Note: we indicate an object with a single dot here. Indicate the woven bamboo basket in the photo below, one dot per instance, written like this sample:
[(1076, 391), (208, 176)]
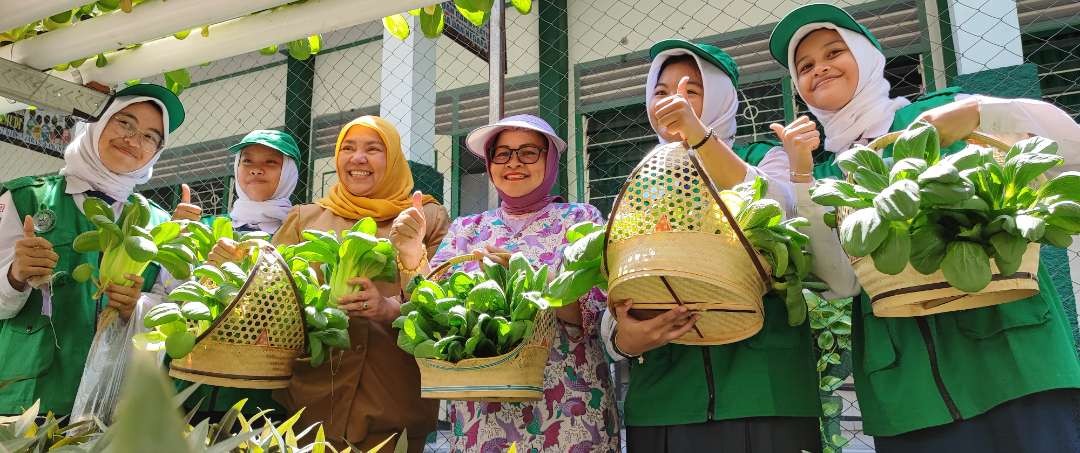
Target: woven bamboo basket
[(515, 376), (911, 293), (256, 339), (671, 242)]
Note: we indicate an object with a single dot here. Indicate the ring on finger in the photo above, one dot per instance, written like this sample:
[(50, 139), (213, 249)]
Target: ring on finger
[(364, 306)]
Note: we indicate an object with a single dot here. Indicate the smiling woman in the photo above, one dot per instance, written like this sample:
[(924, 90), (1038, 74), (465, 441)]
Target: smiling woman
[(371, 390), (132, 137)]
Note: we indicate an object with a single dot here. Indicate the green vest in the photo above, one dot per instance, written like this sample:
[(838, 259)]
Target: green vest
[(914, 373), (770, 374), (211, 398), (46, 355)]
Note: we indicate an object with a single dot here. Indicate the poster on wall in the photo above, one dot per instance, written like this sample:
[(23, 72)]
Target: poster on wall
[(36, 130)]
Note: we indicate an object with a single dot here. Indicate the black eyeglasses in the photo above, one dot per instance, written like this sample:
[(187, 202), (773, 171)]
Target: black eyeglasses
[(527, 154)]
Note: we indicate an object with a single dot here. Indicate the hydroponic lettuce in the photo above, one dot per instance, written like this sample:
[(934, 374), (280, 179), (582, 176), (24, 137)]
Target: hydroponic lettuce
[(581, 264), (356, 253), (474, 315), (127, 246), (954, 213), (778, 240)]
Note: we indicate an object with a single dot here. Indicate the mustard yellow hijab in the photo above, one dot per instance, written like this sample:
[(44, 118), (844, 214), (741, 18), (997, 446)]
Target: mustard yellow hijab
[(392, 190)]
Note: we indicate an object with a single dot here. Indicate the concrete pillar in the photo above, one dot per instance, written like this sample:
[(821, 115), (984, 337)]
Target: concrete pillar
[(407, 96)]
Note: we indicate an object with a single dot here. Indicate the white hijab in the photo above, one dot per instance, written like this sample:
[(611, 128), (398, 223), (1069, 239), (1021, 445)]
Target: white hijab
[(720, 100), (266, 215), (869, 114), (83, 167)]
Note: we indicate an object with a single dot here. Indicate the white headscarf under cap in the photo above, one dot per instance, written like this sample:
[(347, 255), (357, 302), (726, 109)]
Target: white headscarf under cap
[(720, 100), (266, 215), (83, 167), (869, 114)]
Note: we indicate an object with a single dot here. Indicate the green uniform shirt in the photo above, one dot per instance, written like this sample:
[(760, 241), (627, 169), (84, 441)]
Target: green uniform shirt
[(770, 374), (46, 356), (914, 373)]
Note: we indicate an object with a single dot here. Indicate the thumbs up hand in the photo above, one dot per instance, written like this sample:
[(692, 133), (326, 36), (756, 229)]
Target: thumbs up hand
[(34, 259), (800, 139), (185, 210), (675, 116), (408, 231)]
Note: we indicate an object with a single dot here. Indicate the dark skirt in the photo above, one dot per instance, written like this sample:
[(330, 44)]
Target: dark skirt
[(744, 435), (1041, 422)]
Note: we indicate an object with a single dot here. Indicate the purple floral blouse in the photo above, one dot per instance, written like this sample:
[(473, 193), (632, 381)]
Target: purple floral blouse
[(577, 413)]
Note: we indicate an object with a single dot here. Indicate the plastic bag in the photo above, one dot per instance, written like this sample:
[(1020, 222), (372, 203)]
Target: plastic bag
[(99, 389)]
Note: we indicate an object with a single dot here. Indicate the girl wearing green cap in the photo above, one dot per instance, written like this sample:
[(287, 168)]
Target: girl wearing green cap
[(996, 379), (47, 328), (265, 176), (759, 394)]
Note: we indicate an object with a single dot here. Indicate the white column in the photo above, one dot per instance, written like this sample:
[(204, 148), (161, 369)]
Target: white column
[(408, 91), (986, 34)]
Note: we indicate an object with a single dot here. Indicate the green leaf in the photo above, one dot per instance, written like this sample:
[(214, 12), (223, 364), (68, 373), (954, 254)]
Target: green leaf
[(223, 228), (196, 311), (941, 172), (165, 232), (909, 168), (938, 194), (432, 23), (920, 140), (522, 6), (475, 11), (892, 256), (177, 80), (1035, 144), (1030, 227), (928, 250), (870, 180), (1020, 170), (966, 266), (1008, 252), (899, 201), (830, 408), (1057, 237), (1066, 185), (148, 422), (861, 157), (210, 272), (299, 49), (971, 157), (836, 192), (830, 383), (398, 26), (862, 232)]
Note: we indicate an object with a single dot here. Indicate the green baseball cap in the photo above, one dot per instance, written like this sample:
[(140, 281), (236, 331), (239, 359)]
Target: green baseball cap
[(167, 97), (281, 141), (710, 53), (809, 14)]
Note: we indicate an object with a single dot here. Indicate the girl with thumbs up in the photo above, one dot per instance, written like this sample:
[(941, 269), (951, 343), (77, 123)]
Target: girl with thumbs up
[(370, 391), (758, 394), (47, 320)]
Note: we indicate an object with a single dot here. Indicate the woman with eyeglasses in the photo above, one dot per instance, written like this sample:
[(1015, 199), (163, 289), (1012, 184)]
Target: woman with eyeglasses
[(578, 411), (47, 320)]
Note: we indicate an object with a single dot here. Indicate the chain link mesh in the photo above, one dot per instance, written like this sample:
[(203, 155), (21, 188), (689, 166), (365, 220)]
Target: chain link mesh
[(582, 65)]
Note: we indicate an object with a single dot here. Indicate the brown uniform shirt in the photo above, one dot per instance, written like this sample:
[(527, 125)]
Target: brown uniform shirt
[(371, 391)]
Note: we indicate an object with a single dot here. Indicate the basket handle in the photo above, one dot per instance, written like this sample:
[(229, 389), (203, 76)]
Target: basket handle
[(975, 137), (442, 268), (694, 160)]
